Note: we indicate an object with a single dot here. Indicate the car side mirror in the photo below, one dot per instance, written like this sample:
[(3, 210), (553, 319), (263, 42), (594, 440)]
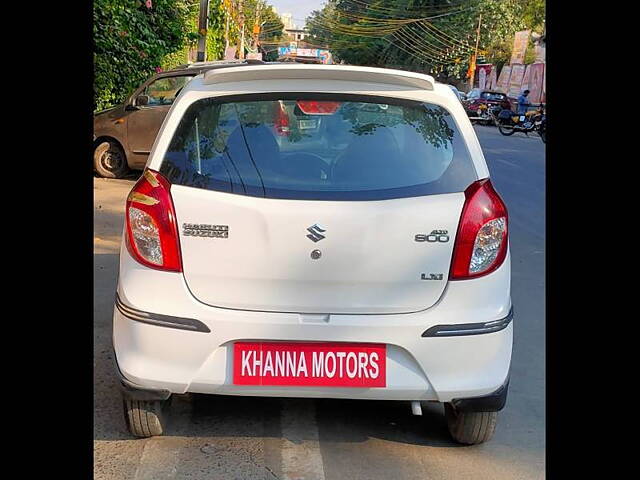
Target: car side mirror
[(142, 100), (136, 103)]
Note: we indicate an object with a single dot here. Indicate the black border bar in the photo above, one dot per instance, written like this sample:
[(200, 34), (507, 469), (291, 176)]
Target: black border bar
[(167, 321), (492, 402), (469, 328)]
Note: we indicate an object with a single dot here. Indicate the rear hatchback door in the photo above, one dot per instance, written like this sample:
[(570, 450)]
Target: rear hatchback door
[(352, 209)]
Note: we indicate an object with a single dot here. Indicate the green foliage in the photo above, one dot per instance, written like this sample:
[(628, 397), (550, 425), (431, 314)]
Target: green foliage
[(215, 36), (271, 30), (133, 41), (130, 42), (426, 52), (534, 14), (273, 25), (215, 31)]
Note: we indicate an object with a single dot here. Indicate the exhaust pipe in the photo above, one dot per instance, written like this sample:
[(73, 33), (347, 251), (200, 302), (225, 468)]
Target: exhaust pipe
[(416, 408)]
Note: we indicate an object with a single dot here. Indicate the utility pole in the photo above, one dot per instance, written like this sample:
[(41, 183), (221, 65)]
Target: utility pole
[(241, 21), (475, 55), (202, 30), (227, 15), (256, 26)]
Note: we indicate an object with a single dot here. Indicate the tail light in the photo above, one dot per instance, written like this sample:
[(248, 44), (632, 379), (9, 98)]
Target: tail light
[(318, 107), (281, 121), (152, 231), (481, 242)]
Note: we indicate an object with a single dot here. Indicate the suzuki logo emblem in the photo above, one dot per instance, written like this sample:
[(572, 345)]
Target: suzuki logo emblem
[(315, 233)]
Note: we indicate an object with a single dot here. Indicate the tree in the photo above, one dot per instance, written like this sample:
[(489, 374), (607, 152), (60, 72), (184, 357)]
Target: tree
[(134, 41), (215, 35), (272, 28), (215, 30), (433, 36), (131, 40)]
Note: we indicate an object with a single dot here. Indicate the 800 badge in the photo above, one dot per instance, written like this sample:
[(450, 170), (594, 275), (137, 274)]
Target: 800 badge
[(441, 236)]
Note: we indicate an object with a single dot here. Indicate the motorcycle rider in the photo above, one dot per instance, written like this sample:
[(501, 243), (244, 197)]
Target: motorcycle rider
[(523, 103)]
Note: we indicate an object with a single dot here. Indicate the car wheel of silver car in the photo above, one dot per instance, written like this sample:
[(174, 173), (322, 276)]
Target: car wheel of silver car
[(146, 418), (109, 160), (470, 428)]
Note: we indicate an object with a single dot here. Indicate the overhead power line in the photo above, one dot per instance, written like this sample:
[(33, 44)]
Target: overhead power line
[(410, 10), (407, 49), (412, 32)]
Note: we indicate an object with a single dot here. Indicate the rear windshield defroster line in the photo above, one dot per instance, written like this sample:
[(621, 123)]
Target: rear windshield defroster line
[(340, 147)]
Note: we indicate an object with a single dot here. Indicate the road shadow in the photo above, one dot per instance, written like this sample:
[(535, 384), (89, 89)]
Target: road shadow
[(350, 421), (355, 421), (339, 421)]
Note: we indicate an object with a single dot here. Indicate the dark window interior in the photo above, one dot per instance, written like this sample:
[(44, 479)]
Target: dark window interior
[(318, 147)]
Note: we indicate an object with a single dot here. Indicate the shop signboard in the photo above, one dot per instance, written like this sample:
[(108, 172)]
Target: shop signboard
[(325, 56), (492, 80), (307, 52), (483, 71), (524, 85), (502, 84), (536, 82), (515, 81), (520, 41)]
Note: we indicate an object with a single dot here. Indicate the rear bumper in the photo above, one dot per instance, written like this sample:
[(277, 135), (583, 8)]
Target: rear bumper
[(425, 368), (493, 402), (138, 392)]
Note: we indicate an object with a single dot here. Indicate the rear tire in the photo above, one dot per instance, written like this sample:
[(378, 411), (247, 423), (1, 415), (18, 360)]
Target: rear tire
[(470, 428), (504, 130), (109, 160), (146, 418)]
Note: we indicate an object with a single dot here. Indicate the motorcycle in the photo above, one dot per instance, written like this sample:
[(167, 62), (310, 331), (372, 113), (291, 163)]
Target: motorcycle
[(481, 115), (509, 122)]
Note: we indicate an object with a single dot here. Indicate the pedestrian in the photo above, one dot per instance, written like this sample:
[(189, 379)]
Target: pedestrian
[(523, 103)]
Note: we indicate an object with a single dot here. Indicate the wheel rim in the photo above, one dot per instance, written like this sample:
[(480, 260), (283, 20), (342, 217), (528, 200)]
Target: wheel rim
[(111, 160)]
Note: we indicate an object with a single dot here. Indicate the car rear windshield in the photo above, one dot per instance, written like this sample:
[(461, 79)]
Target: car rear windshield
[(318, 147)]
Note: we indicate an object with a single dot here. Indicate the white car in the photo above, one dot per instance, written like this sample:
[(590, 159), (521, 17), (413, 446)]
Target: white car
[(317, 231), (459, 94)]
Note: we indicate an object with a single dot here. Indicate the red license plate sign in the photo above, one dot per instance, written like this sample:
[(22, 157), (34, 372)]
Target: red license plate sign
[(310, 364)]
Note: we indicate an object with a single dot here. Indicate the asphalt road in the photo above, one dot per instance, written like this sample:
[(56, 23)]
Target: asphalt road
[(254, 438)]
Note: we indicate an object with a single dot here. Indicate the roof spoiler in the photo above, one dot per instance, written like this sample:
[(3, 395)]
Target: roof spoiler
[(297, 71)]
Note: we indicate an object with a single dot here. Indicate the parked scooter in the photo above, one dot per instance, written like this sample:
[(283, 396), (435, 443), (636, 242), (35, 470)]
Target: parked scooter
[(509, 122)]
